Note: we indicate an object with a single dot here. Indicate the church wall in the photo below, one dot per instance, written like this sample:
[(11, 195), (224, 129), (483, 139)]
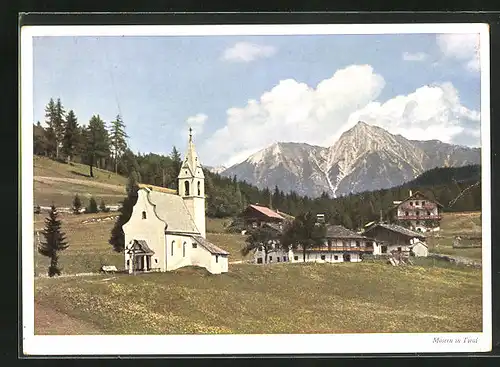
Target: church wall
[(196, 207), (182, 251), (151, 229)]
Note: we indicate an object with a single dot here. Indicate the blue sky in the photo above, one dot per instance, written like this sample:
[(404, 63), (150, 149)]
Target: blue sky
[(158, 84)]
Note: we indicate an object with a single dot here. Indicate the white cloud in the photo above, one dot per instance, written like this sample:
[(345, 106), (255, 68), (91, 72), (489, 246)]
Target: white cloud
[(246, 52), (197, 122), (293, 111), (463, 47), (431, 112), (417, 56)]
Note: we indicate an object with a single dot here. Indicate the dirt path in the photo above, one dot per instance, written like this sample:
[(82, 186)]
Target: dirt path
[(89, 182), (52, 322)]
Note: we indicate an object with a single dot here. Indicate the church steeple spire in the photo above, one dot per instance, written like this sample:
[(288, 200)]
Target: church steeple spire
[(191, 185)]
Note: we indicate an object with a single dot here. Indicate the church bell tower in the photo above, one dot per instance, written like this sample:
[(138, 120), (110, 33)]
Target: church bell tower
[(191, 184)]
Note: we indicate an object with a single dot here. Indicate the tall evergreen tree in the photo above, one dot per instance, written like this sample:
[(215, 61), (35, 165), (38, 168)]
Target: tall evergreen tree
[(176, 165), (117, 140), (96, 142), (71, 138), (55, 241), (117, 239), (50, 131)]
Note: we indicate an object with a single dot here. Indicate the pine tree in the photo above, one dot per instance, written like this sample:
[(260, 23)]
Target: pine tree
[(96, 142), (77, 204), (70, 138), (92, 208), (117, 239), (303, 232), (102, 206), (50, 134), (117, 140), (55, 241), (176, 165)]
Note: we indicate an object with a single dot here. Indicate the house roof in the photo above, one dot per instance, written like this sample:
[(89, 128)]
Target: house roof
[(266, 211), (172, 210), (209, 246), (398, 229), (157, 188), (140, 247), (422, 194), (336, 231)]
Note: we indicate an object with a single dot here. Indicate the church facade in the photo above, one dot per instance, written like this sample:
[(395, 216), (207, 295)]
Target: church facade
[(167, 229)]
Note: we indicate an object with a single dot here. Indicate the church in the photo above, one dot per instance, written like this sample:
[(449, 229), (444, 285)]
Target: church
[(166, 230)]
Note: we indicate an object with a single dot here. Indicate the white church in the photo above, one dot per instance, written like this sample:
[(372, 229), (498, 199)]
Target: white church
[(166, 230)]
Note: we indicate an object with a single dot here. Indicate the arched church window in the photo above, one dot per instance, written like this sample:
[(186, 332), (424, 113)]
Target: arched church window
[(143, 215), (199, 188), (184, 249), (186, 188), (172, 248)]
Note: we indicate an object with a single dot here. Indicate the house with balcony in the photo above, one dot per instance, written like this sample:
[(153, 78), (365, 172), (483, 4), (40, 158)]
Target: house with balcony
[(418, 212), (340, 245), (392, 238)]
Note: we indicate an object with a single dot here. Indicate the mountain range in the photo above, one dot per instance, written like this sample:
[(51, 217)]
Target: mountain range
[(364, 158)]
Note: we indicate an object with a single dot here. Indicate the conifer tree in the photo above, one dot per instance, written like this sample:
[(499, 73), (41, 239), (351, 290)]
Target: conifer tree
[(176, 166), (92, 208), (117, 140), (117, 239), (49, 132), (55, 241), (303, 232), (77, 204), (102, 206), (96, 142), (70, 138), (59, 125)]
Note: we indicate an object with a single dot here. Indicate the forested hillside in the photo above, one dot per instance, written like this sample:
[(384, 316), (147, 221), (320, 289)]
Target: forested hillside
[(104, 145)]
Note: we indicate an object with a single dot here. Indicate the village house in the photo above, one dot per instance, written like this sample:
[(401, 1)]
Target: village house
[(418, 212), (392, 238), (255, 216), (166, 230), (276, 254), (341, 245)]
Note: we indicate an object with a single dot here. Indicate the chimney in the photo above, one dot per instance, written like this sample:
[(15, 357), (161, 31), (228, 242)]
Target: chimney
[(411, 193)]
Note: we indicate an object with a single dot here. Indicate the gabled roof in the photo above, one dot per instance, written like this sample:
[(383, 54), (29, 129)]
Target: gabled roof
[(398, 229), (140, 247), (422, 194), (171, 209), (266, 211), (209, 246), (157, 188), (336, 231)]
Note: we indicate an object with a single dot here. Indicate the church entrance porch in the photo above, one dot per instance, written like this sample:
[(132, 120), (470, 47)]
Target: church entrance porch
[(139, 256)]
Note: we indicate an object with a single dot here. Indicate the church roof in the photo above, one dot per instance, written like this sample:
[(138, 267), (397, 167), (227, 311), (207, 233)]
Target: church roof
[(171, 209), (157, 188), (191, 162), (209, 246)]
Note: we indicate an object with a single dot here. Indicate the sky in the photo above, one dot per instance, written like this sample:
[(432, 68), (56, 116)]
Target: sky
[(241, 94)]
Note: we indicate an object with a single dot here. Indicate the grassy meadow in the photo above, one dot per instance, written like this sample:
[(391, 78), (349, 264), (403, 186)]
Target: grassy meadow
[(456, 224), (371, 296), (283, 298)]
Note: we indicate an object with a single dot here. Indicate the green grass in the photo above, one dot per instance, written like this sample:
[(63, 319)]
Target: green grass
[(57, 183), (88, 245), (456, 224), (46, 167), (281, 298)]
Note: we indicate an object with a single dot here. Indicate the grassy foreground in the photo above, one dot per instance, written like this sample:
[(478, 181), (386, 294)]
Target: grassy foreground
[(281, 298)]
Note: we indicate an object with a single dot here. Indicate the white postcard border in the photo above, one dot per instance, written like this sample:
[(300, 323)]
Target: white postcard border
[(246, 344)]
